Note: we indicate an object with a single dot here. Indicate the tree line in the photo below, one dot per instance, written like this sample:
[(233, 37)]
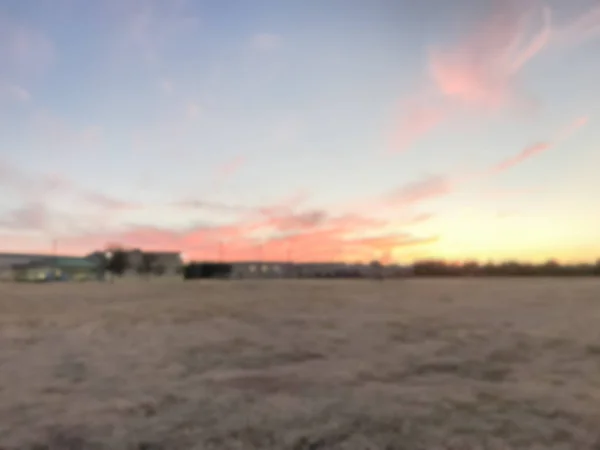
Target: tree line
[(550, 268), (196, 270), (116, 261)]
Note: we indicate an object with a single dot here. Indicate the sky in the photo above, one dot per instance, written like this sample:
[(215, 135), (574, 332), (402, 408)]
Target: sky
[(304, 130)]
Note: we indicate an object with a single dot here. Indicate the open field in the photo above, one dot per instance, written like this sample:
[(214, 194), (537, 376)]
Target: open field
[(407, 365)]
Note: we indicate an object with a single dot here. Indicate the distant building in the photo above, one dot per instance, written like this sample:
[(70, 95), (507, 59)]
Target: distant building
[(167, 263), (321, 270), (171, 262), (7, 260), (263, 269), (258, 269), (48, 268)]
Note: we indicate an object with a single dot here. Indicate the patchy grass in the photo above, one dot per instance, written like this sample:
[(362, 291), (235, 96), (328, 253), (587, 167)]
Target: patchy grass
[(299, 365)]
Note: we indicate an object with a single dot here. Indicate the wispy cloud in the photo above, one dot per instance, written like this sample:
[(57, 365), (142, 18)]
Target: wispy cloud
[(291, 227), (537, 148), (419, 191), (438, 186), (480, 73), (35, 189), (302, 236), (571, 128), (287, 228), (416, 121), (525, 154), (29, 217)]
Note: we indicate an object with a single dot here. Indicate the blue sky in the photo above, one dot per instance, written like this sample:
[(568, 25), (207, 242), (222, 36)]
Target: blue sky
[(187, 123)]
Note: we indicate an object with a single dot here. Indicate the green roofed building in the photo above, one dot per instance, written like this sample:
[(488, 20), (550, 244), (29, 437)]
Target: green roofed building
[(59, 268)]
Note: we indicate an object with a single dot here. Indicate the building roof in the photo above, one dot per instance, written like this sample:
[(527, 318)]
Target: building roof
[(25, 255), (66, 262), (74, 262)]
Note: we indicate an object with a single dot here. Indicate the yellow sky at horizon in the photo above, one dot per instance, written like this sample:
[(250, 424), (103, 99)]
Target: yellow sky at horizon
[(531, 238)]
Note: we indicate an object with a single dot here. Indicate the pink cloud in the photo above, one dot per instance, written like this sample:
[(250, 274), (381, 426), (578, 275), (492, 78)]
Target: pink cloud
[(426, 189), (480, 72), (525, 154), (477, 74), (288, 227), (571, 128), (384, 243), (416, 122), (537, 148), (272, 232), (440, 186)]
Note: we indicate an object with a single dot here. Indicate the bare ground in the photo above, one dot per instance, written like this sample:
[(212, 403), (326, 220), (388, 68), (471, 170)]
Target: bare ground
[(419, 364)]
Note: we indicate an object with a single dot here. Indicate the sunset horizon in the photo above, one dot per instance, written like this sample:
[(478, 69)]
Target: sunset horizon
[(302, 131)]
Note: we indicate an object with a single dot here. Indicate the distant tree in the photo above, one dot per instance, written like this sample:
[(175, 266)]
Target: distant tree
[(376, 269), (117, 261), (470, 268), (551, 268)]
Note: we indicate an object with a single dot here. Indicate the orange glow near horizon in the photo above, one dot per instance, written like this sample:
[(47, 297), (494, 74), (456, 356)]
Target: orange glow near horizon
[(385, 149)]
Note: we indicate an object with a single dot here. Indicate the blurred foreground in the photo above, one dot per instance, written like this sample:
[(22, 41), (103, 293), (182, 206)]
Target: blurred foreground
[(291, 364)]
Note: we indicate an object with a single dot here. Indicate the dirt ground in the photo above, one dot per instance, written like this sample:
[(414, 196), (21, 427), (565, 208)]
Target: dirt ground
[(407, 365)]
